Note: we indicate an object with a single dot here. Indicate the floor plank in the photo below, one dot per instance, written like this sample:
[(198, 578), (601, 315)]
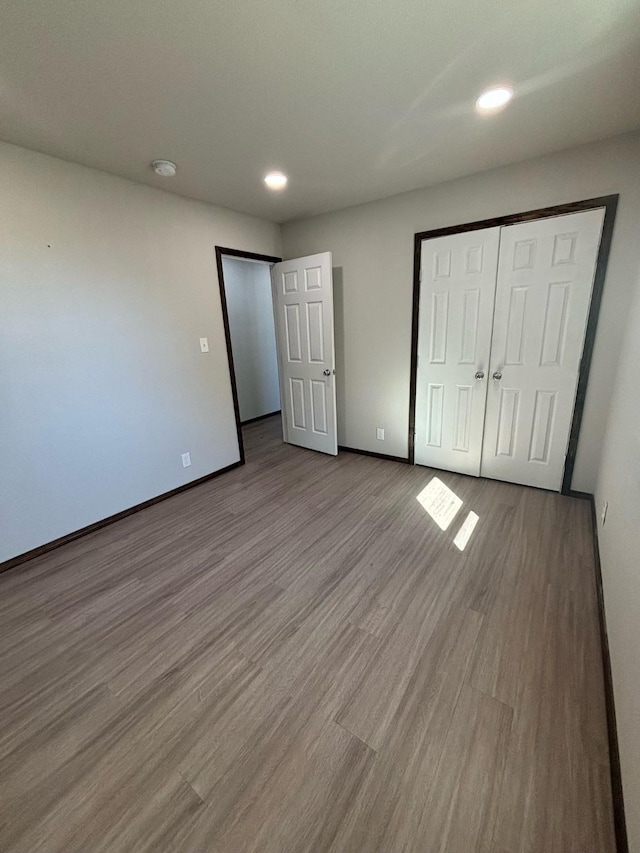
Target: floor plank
[(294, 656)]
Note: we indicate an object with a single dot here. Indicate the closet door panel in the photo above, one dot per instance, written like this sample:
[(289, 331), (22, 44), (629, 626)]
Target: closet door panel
[(458, 279), (546, 270)]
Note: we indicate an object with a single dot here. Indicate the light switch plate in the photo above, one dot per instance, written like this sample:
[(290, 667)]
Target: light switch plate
[(204, 345)]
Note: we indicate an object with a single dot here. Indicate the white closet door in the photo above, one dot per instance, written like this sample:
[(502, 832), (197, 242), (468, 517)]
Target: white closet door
[(545, 277), (458, 280), (303, 305)]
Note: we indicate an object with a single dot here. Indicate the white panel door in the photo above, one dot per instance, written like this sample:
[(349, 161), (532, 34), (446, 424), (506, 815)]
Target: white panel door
[(458, 280), (303, 305), (546, 270)]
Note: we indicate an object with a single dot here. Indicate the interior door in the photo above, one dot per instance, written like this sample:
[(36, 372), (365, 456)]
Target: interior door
[(545, 278), (458, 280), (303, 305)]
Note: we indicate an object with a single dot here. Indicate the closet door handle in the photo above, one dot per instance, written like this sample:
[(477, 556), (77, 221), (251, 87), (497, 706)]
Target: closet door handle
[(497, 375), (480, 374)]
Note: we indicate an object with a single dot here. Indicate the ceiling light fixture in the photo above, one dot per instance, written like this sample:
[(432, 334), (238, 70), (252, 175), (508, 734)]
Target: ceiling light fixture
[(495, 98), (164, 168), (276, 180)]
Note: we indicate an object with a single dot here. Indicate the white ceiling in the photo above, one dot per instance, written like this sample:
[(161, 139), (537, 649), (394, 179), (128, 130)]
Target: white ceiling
[(354, 99)]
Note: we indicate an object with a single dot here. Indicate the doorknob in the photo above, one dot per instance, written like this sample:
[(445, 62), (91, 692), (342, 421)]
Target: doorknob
[(480, 374), (497, 375), (326, 373)]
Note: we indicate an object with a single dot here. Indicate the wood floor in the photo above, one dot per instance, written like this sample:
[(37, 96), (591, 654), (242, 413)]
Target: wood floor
[(294, 657)]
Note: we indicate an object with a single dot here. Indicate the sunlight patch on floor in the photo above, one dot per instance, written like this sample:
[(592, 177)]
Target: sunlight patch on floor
[(464, 534), (440, 502)]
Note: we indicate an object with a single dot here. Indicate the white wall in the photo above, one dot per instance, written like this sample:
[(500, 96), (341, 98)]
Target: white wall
[(253, 336), (619, 484), (372, 249), (105, 288)]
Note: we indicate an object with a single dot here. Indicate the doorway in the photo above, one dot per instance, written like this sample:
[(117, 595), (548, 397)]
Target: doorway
[(245, 294), (504, 321), (278, 321), (247, 286)]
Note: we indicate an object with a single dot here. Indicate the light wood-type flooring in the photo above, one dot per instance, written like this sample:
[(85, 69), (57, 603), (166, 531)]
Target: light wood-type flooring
[(293, 658)]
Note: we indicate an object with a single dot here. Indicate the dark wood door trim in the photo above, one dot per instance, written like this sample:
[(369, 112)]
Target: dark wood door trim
[(222, 252), (610, 204)]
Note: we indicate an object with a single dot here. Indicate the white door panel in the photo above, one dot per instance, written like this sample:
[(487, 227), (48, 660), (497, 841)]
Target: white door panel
[(458, 279), (303, 305), (545, 277)]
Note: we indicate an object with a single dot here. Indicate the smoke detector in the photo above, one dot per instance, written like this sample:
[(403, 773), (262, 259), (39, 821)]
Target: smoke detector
[(164, 168)]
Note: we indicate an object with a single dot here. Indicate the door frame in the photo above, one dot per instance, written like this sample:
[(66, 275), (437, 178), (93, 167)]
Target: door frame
[(223, 252), (610, 204)]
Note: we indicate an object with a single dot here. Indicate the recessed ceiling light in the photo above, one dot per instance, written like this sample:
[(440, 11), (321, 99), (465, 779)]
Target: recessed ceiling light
[(164, 168), (493, 99), (275, 180)]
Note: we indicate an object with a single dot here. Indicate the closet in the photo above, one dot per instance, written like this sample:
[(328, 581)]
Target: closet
[(501, 329)]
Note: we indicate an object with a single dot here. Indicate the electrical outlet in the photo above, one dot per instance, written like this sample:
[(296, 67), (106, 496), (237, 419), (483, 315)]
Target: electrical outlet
[(186, 460), (603, 514), (204, 344), (380, 433)]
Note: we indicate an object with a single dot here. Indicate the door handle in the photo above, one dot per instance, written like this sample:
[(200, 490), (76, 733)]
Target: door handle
[(497, 375), (326, 373), (480, 374)]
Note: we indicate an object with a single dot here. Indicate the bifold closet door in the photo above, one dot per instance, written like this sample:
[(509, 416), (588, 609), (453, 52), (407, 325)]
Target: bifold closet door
[(458, 280), (546, 270)]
